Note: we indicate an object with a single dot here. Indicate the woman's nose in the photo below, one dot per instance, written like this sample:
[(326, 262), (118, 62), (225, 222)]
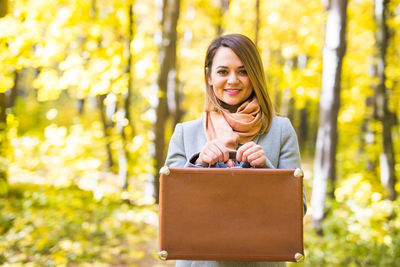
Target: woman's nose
[(232, 78)]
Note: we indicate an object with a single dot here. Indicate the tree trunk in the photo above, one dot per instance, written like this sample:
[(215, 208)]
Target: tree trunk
[(174, 95), (224, 7), (11, 95), (125, 126), (106, 111), (324, 163), (386, 158), (3, 146), (257, 24), (167, 56), (129, 71), (80, 105), (368, 134), (303, 128), (314, 130), (7, 101), (288, 102), (106, 130), (3, 8)]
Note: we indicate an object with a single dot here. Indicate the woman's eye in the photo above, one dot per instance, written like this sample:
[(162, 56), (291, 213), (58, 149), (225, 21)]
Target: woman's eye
[(243, 72), (222, 72)]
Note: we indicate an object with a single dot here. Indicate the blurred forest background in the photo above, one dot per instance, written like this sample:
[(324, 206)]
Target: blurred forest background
[(90, 92)]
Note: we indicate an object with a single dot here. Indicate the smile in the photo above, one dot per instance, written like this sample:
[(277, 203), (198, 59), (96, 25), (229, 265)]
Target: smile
[(232, 91)]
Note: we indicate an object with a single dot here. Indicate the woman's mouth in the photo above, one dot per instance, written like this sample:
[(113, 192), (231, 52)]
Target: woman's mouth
[(232, 91)]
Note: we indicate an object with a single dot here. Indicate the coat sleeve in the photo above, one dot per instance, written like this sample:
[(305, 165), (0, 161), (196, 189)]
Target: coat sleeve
[(289, 156), (177, 156)]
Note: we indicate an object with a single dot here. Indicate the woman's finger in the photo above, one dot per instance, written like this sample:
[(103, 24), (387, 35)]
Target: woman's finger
[(245, 151), (224, 151), (242, 149), (255, 156), (206, 155), (214, 151), (217, 150), (252, 150), (252, 153), (217, 155), (259, 162)]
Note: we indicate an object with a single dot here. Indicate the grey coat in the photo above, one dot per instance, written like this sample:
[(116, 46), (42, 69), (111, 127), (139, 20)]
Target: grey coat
[(280, 147)]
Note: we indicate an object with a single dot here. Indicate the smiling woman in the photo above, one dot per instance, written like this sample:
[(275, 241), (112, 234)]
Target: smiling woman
[(238, 116)]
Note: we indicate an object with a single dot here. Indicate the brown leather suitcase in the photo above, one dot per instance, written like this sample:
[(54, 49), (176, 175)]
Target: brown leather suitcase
[(233, 214)]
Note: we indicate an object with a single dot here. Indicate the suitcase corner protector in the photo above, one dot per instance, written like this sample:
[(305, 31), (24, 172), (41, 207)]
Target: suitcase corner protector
[(298, 173), (163, 255), (299, 257), (165, 170)]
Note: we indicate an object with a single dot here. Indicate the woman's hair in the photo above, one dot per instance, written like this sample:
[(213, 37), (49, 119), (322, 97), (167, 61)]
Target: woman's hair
[(247, 52)]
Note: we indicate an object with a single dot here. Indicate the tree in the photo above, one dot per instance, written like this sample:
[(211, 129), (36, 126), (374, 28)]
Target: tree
[(3, 124), (3, 7), (107, 127), (387, 160), (333, 53), (224, 7), (166, 79), (3, 145), (257, 24), (124, 125)]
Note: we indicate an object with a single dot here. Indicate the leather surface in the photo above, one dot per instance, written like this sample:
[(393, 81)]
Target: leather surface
[(231, 214)]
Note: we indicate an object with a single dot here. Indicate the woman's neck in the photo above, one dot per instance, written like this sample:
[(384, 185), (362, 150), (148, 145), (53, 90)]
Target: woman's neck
[(233, 108), (230, 108)]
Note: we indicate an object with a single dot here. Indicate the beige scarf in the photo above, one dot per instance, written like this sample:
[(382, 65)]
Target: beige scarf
[(236, 128)]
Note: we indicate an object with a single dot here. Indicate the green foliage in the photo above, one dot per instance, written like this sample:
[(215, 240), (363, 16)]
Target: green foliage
[(53, 226)]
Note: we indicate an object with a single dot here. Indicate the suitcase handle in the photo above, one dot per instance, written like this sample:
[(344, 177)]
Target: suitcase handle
[(232, 155)]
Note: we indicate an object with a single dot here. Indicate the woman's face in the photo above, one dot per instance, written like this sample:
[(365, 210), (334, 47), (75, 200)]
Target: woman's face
[(229, 78)]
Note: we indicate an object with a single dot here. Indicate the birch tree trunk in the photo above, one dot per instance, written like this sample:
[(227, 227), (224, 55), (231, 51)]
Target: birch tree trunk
[(386, 158), (167, 72), (333, 53)]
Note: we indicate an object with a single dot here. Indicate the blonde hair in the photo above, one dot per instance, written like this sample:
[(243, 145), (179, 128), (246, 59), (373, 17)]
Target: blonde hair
[(247, 52)]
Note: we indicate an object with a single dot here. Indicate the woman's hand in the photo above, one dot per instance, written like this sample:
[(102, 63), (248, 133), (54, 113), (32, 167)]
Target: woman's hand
[(251, 153), (214, 151)]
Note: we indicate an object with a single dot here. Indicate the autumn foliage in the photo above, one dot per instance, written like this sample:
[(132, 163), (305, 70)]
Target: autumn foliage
[(78, 102)]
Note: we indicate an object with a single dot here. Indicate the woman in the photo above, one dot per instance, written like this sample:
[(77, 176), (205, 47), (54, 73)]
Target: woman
[(238, 116)]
